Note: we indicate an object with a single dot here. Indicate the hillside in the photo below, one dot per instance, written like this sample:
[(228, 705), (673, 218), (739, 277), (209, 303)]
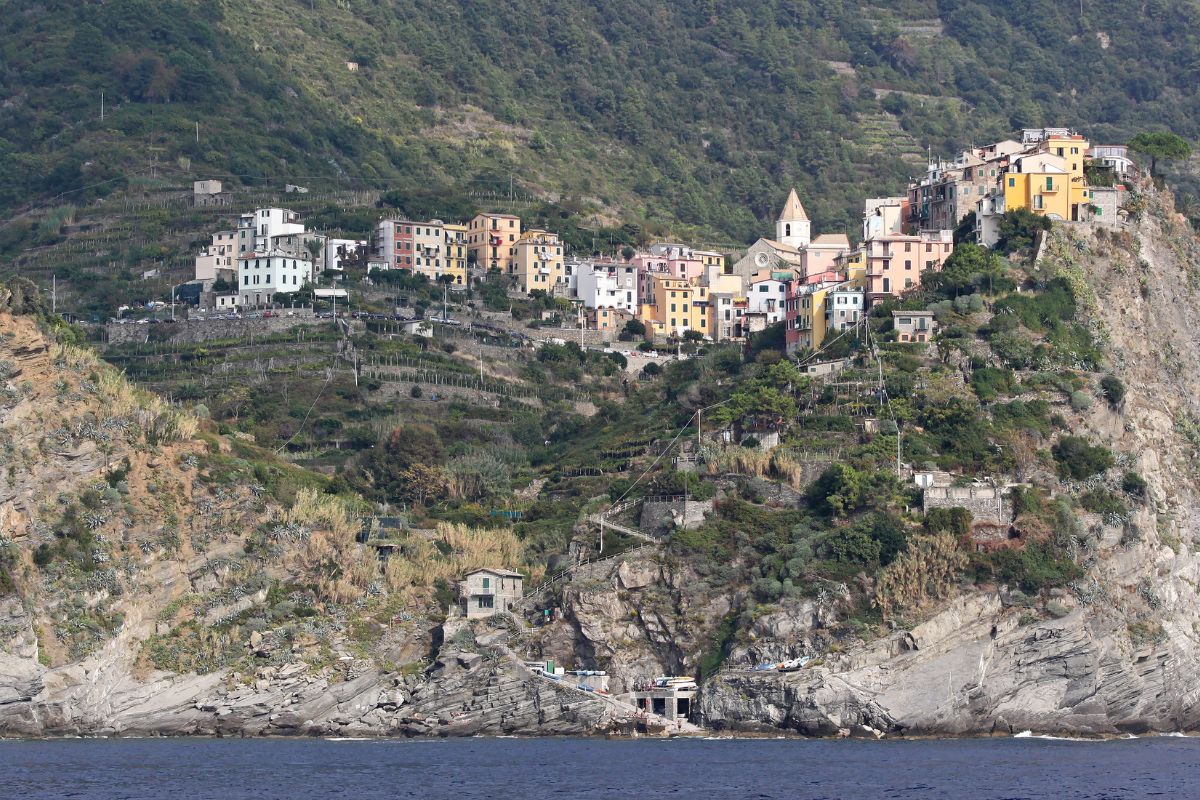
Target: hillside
[(697, 114), (205, 586)]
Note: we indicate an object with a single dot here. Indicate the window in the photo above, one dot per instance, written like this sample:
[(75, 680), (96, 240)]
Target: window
[(1012, 182), (928, 247), (908, 247), (908, 264), (887, 285), (1049, 183), (487, 582), (485, 601)]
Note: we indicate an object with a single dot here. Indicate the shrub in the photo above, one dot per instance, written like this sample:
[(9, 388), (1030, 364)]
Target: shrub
[(1133, 484), (956, 521), (1103, 502), (1077, 459), (1112, 389), (415, 392), (651, 370), (1080, 401)]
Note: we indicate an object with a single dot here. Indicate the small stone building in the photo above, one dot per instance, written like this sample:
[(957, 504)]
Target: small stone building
[(914, 326), (487, 591)]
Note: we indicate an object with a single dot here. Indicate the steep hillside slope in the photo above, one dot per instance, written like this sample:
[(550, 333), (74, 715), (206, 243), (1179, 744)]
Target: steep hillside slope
[(157, 578), (699, 112), (1118, 650)]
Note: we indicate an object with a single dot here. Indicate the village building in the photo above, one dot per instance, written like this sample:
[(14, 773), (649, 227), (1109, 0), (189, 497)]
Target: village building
[(675, 307), (341, 252), (669, 697), (456, 254), (258, 229), (484, 592), (537, 261), (219, 257), (728, 315), (1113, 156), (608, 320), (491, 239), (794, 247), (209, 193), (264, 276), (914, 326), (895, 262), (807, 314), (605, 285), (768, 295)]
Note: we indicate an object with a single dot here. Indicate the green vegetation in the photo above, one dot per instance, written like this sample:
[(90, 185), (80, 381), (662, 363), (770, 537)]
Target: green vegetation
[(1077, 459), (1160, 145)]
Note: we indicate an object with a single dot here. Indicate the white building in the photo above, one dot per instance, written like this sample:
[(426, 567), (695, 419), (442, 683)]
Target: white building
[(1114, 156), (606, 285), (766, 297), (262, 276), (257, 229), (337, 250), (220, 255), (844, 308)]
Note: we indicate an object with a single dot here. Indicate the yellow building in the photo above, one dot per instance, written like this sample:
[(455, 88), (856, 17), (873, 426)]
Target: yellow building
[(677, 306), (490, 240), (853, 266), (456, 252), (537, 261), (1071, 147), (820, 309), (710, 258), (1040, 182)]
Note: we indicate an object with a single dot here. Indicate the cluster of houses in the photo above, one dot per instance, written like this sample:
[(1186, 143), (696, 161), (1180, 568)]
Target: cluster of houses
[(817, 285)]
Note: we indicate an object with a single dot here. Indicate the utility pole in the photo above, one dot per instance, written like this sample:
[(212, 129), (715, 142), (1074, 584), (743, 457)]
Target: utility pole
[(197, 133), (102, 105), (897, 451), (53, 294), (445, 295)]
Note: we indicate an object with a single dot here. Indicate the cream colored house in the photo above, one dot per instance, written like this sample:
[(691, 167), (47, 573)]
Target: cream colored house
[(537, 261)]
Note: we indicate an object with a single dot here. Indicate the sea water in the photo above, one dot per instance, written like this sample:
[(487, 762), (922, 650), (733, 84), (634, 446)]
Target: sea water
[(563, 769)]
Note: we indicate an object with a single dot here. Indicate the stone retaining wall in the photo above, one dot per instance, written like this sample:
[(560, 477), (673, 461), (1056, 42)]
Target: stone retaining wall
[(195, 331)]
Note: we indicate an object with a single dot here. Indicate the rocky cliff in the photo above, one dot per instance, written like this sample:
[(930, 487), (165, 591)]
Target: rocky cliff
[(1119, 650), (1115, 651), (156, 578)]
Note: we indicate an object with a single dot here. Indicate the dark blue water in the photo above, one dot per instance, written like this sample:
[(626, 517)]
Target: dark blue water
[(564, 769)]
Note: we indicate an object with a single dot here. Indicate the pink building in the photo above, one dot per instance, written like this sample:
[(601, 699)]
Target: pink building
[(895, 261), (820, 258)]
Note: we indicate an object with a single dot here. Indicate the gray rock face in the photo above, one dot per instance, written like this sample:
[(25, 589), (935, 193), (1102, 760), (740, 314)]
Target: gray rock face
[(972, 670), (464, 694)]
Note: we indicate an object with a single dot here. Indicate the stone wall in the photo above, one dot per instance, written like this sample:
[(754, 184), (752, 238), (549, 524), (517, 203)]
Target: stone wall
[(661, 517), (986, 503), (194, 331)]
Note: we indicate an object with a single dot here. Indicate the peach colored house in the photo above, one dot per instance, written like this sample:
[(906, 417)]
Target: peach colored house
[(895, 262)]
